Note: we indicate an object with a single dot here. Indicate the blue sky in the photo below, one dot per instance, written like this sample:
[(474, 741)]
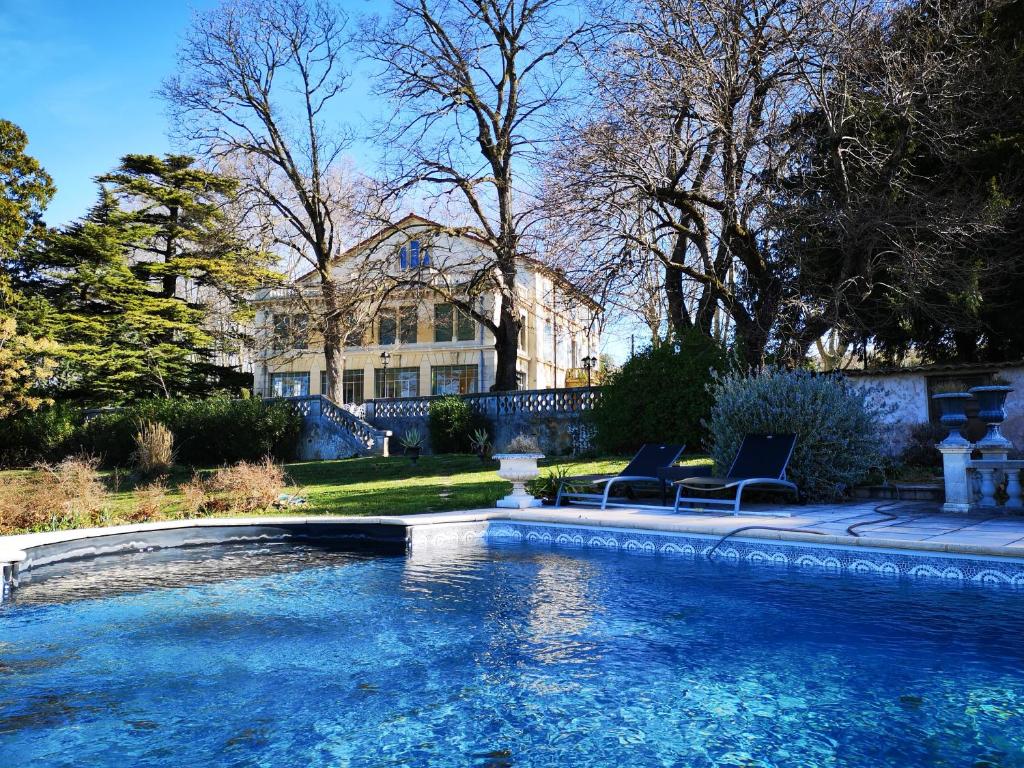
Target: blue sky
[(79, 76)]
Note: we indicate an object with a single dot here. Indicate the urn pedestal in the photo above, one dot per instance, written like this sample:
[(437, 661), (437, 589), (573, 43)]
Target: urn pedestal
[(518, 469)]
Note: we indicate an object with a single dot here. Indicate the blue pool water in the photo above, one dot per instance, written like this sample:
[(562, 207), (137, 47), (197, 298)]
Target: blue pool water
[(504, 656)]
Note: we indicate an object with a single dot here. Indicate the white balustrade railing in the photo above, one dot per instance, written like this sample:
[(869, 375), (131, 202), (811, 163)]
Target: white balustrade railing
[(532, 401), (989, 475)]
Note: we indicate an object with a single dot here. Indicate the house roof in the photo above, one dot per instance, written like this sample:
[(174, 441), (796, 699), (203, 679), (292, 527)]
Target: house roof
[(413, 219), (934, 368)]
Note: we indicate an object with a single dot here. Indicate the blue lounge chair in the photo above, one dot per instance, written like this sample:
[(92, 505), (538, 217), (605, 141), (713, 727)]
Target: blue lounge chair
[(596, 489), (760, 464)]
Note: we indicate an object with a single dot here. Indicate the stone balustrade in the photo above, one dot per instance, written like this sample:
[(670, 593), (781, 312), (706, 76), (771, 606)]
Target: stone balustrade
[(991, 474), (330, 431), (553, 416), (980, 484)]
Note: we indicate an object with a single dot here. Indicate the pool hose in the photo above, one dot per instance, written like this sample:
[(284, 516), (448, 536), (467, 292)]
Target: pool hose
[(851, 530)]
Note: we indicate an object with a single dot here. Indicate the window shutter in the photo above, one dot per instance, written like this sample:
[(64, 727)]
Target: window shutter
[(415, 248), (403, 258)]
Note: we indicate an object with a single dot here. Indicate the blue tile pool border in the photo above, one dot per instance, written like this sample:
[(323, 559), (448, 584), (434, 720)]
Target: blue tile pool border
[(966, 569)]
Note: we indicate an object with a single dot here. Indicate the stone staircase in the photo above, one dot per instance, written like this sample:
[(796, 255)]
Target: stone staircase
[(332, 432)]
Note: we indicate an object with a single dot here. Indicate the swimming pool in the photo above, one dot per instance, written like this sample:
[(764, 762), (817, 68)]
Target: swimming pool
[(502, 655)]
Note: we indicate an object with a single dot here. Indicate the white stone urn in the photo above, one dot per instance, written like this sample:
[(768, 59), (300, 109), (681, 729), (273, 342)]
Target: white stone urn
[(518, 469)]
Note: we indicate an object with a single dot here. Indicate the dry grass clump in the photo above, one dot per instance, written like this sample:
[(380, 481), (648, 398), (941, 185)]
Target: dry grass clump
[(198, 499), (154, 448), (150, 503), (53, 496), (244, 487), (249, 486)]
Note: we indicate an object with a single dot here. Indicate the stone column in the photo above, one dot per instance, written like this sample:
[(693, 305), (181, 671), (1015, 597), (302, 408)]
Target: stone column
[(988, 488), (380, 442), (956, 456), (1013, 488)]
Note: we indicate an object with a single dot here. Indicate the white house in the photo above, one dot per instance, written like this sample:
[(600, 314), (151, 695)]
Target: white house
[(417, 344)]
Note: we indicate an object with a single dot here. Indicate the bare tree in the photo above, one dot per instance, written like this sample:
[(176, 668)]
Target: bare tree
[(784, 154), (882, 210), (625, 280), (256, 81), (472, 83), (694, 101)]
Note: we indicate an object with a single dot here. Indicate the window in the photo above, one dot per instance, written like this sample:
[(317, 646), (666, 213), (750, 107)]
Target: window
[(400, 324), (464, 325), (413, 256), (289, 384), (521, 379), (400, 382), (291, 331), (407, 325), (453, 379), (351, 386), (562, 352), (443, 322), (387, 327)]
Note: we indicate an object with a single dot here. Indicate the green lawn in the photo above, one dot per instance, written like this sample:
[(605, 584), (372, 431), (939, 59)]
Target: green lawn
[(394, 486), (365, 486)]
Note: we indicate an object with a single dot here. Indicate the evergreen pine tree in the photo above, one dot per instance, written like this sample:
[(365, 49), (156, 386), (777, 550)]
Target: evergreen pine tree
[(135, 288)]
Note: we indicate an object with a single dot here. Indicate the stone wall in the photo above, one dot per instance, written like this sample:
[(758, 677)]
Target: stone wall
[(905, 396), (553, 416)]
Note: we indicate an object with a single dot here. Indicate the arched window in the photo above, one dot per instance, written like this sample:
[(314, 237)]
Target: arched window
[(413, 256)]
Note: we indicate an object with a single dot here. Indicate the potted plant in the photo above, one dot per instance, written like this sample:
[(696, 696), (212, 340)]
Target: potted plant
[(991, 401), (952, 401), (480, 442), (519, 466), (412, 442)]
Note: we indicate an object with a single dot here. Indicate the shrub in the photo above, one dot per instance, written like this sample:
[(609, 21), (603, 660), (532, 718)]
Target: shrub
[(216, 430), (659, 396), (920, 450), (838, 437), (546, 486), (110, 436), (31, 437), (452, 424), (52, 496), (154, 448)]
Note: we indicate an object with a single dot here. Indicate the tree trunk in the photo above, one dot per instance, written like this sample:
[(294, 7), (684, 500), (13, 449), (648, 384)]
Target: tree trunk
[(506, 344), (751, 342), (334, 342), (170, 279), (678, 314)]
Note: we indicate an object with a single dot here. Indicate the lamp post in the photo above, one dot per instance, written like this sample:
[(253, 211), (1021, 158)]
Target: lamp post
[(589, 363), (385, 358)]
